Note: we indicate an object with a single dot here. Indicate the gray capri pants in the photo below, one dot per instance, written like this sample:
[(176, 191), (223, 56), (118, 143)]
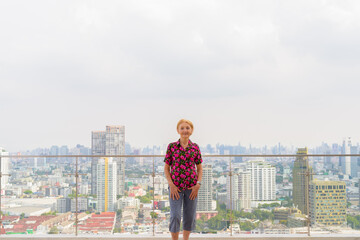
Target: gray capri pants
[(189, 211)]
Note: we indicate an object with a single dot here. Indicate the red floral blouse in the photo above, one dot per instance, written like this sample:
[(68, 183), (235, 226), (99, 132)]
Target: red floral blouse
[(182, 163)]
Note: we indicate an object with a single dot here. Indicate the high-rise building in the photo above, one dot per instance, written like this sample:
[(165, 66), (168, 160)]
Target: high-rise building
[(97, 148), (301, 166), (240, 189), (345, 162), (109, 142), (263, 187), (106, 184), (4, 167), (327, 202), (359, 192), (244, 190), (354, 161), (205, 193), (232, 191)]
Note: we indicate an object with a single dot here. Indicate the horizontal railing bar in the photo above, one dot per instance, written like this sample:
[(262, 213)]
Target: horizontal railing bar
[(149, 156)]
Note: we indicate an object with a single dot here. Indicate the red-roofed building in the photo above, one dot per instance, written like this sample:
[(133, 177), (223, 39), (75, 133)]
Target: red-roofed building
[(99, 223), (25, 224)]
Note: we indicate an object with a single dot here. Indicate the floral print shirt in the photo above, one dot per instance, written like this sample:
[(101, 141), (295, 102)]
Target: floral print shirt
[(182, 163)]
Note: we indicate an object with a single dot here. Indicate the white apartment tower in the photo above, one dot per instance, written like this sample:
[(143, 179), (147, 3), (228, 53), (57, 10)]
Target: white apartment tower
[(244, 190), (106, 184), (205, 193), (240, 193), (4, 167), (262, 181), (109, 142)]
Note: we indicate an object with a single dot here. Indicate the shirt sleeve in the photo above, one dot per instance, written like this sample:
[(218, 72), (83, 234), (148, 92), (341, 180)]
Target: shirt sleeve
[(198, 159), (168, 157)]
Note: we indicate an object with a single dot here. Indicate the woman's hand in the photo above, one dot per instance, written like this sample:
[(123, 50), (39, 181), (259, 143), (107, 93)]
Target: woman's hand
[(174, 192), (194, 191)]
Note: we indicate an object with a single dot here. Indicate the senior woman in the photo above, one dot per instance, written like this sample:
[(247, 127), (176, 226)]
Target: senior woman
[(183, 172)]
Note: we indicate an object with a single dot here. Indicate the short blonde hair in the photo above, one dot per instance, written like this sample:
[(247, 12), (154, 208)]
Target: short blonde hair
[(185, 121)]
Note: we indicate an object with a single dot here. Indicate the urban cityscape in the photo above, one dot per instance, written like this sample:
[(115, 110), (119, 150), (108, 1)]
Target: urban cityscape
[(266, 90), (129, 195)]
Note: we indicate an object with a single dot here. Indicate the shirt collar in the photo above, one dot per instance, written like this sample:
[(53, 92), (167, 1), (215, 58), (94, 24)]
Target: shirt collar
[(190, 143)]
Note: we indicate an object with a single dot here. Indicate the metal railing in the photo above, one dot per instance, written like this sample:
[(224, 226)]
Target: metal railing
[(153, 174)]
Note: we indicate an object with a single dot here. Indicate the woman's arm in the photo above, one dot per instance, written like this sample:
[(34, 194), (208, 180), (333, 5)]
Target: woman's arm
[(173, 189), (167, 174), (199, 171), (195, 189)]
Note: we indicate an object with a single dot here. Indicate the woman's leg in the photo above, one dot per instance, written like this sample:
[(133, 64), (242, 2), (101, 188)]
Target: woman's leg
[(175, 215), (189, 211), (175, 236)]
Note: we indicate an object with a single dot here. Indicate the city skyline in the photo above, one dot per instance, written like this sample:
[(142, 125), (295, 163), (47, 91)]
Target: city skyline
[(251, 72)]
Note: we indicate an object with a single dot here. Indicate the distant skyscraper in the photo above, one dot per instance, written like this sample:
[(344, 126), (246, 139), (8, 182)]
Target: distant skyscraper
[(106, 184), (97, 148), (327, 202), (64, 150), (109, 142), (346, 161), (54, 150), (354, 161), (262, 181), (205, 193), (301, 166), (4, 168)]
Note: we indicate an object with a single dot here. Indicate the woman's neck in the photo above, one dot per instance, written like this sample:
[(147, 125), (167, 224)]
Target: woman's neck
[(184, 141)]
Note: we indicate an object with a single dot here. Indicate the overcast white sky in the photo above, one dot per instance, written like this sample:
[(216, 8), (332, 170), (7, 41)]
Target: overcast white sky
[(258, 72)]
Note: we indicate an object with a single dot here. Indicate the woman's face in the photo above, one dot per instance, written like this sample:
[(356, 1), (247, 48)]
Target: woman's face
[(184, 130)]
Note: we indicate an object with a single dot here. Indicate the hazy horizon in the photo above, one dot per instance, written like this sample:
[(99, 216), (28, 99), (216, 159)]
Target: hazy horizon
[(254, 72)]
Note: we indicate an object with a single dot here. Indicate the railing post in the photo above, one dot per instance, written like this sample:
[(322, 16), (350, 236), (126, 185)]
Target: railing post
[(153, 177), (76, 196), (76, 193), (230, 175), (1, 215), (307, 174), (1, 225)]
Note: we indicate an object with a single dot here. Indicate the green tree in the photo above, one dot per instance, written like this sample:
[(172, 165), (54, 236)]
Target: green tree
[(353, 221), (154, 215), (54, 230)]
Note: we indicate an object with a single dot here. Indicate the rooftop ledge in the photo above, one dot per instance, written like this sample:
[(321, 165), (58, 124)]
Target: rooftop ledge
[(193, 237)]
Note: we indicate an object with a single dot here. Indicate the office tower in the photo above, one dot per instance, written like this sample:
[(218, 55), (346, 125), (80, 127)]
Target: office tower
[(327, 202), (97, 148), (109, 142), (115, 145), (54, 150), (4, 168), (64, 150), (345, 162), (301, 166), (262, 181), (205, 193), (106, 184), (354, 161)]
